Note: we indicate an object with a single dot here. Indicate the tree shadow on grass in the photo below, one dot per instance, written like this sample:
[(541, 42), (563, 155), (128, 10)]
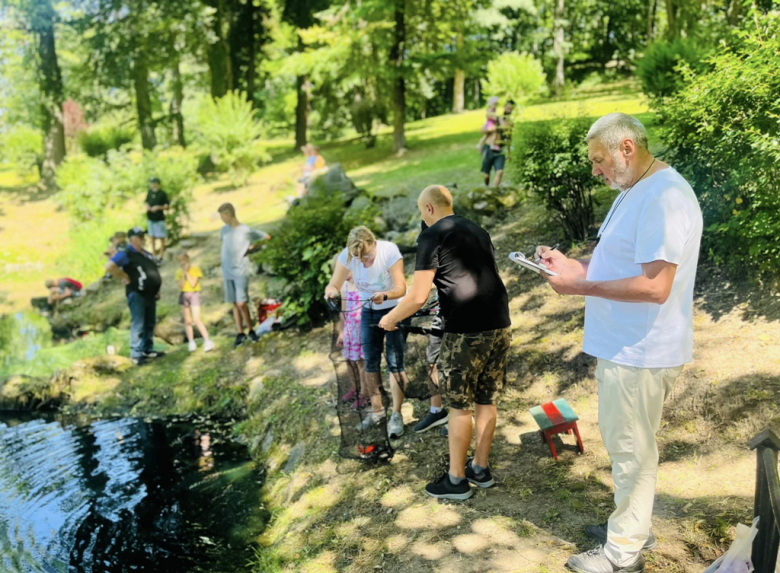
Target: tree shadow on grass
[(718, 294)]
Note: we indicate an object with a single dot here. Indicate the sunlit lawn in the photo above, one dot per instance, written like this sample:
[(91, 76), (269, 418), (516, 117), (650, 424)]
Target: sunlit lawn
[(442, 149)]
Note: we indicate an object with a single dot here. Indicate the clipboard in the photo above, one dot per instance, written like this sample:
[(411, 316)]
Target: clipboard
[(538, 268)]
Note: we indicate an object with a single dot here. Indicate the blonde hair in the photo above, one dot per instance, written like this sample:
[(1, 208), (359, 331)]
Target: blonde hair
[(183, 255), (360, 239)]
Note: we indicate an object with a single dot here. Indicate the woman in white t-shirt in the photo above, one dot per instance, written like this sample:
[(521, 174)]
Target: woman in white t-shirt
[(377, 269)]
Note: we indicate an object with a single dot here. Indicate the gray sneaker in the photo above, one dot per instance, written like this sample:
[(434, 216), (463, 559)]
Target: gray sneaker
[(369, 420), (395, 427), (599, 533), (595, 561)]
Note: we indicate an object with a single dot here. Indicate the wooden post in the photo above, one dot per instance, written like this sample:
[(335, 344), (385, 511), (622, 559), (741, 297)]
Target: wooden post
[(767, 504)]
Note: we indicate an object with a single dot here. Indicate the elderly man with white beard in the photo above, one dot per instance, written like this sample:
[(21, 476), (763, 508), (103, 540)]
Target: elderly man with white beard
[(638, 290)]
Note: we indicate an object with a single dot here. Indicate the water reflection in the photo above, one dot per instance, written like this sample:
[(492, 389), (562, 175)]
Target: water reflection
[(124, 495), (27, 345)]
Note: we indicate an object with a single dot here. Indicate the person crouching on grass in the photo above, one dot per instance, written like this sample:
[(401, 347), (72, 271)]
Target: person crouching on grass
[(188, 277)]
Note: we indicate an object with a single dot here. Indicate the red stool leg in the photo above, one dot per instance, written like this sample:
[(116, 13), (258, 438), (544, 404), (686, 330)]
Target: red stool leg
[(579, 440), (552, 446)]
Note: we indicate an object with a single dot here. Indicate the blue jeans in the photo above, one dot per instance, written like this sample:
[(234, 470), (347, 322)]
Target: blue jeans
[(372, 338), (143, 315)]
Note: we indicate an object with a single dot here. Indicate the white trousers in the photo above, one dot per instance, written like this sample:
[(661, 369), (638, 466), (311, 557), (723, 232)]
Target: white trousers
[(630, 404)]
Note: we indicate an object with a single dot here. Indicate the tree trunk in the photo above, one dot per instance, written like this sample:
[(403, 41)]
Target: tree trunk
[(143, 103), (219, 54), (301, 112), (734, 9), (176, 101), (559, 80), (251, 73), (399, 85), (671, 19), (651, 8), (476, 92), (459, 82), (459, 92), (51, 94)]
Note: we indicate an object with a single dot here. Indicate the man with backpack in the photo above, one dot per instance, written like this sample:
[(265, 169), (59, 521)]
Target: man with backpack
[(137, 269)]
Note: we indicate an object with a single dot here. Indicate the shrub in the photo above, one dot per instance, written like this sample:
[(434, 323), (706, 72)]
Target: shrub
[(723, 135), (550, 160), (91, 186), (661, 68), (364, 114), (23, 147), (516, 76), (227, 127), (98, 141), (301, 251)]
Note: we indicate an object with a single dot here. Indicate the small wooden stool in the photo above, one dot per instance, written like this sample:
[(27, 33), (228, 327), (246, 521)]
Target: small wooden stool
[(556, 418)]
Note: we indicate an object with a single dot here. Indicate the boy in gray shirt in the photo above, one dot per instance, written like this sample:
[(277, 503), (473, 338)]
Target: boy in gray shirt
[(238, 240)]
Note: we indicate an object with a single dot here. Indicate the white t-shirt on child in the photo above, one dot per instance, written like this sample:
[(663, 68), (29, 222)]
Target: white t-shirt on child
[(659, 219), (376, 278)]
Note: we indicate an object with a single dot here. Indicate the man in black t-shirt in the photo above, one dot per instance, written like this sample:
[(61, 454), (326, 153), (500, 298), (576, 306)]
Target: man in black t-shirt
[(457, 256), (156, 204)]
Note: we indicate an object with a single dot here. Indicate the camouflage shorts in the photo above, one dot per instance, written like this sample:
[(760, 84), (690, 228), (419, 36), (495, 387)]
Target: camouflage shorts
[(473, 367)]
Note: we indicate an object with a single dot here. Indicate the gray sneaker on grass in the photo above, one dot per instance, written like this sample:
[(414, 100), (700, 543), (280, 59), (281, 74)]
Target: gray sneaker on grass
[(395, 427)]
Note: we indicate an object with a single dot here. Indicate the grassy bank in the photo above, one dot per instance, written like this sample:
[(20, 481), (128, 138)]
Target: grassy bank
[(335, 515)]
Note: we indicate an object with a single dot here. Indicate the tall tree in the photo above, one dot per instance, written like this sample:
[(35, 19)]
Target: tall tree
[(39, 17), (176, 103), (300, 14), (558, 47), (220, 66), (399, 82)]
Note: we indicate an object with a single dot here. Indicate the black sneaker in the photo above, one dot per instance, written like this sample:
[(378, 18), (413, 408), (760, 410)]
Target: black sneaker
[(445, 431), (153, 354), (595, 561), (140, 361), (240, 339), (431, 420), (443, 488), (253, 336), (599, 533), (483, 480)]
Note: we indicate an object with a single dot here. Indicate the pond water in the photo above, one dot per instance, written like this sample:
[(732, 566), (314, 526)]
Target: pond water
[(125, 495), (28, 347)]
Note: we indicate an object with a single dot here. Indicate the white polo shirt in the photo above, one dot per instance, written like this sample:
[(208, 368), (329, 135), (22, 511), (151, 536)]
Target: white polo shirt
[(659, 219)]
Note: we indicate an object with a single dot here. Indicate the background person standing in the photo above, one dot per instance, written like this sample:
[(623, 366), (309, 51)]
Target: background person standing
[(137, 269), (157, 204), (638, 289), (238, 240), (498, 146)]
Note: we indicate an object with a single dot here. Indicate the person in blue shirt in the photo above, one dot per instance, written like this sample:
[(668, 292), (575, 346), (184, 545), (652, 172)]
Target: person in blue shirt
[(137, 269)]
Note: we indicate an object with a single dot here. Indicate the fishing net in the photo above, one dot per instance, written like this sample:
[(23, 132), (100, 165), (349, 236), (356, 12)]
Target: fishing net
[(364, 400)]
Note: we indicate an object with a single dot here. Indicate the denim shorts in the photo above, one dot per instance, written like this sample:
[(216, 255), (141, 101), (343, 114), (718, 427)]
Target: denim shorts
[(372, 338), (157, 229), (237, 290)]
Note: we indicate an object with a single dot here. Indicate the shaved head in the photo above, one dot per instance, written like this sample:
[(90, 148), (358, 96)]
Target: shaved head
[(436, 195), (435, 203)]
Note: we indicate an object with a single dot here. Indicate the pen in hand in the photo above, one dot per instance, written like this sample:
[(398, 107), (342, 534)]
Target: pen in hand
[(555, 247)]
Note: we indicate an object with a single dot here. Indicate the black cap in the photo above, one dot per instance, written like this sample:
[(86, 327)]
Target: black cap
[(136, 232), (154, 180)]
